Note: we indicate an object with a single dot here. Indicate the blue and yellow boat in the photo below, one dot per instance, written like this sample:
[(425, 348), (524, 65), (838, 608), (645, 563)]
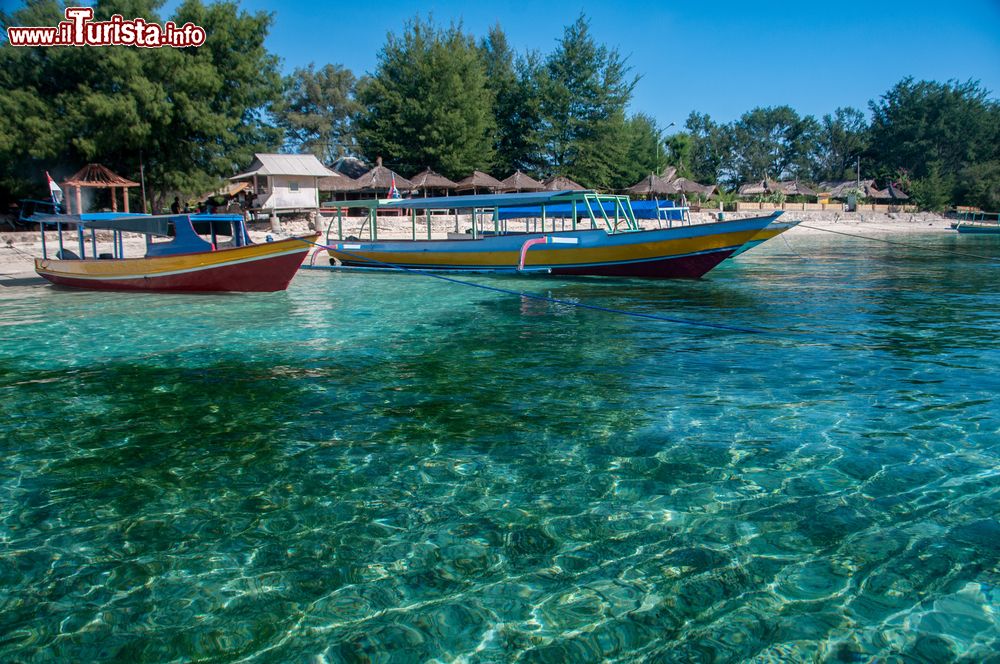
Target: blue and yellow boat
[(566, 233)]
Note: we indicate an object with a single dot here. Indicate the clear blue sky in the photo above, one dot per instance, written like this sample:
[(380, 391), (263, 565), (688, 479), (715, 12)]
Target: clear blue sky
[(721, 58)]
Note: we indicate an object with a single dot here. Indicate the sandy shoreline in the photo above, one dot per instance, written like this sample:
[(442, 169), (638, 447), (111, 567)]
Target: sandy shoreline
[(18, 249)]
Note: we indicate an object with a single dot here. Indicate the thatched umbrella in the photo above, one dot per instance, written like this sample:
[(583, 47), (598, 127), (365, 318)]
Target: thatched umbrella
[(478, 180), (691, 187), (895, 193), (380, 179), (338, 183), (652, 185), (428, 179), (795, 188), (518, 181), (562, 183)]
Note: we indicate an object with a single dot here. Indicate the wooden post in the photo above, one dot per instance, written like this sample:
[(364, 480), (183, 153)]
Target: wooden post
[(114, 200), (79, 202), (125, 198)]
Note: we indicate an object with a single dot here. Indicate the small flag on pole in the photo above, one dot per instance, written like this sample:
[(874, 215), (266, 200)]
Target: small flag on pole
[(54, 190), (393, 192)]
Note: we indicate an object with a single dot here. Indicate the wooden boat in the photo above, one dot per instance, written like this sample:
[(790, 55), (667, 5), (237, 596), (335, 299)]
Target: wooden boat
[(598, 236), (186, 262), (772, 230), (977, 222)]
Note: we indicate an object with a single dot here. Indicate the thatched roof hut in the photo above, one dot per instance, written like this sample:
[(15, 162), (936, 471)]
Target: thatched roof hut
[(338, 183), (843, 188), (380, 179), (562, 183), (518, 181), (788, 188), (691, 187), (428, 179), (652, 185), (479, 180), (796, 188), (98, 176), (895, 194)]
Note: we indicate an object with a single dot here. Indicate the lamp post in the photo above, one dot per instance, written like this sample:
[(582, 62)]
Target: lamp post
[(656, 162)]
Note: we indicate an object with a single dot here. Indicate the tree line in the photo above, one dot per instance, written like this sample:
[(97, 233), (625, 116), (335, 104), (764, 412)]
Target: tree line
[(439, 97)]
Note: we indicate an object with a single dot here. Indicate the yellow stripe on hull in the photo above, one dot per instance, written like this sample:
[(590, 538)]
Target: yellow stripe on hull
[(554, 257), (127, 268)]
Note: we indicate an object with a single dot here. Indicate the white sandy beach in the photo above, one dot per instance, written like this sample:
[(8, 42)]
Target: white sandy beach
[(18, 249)]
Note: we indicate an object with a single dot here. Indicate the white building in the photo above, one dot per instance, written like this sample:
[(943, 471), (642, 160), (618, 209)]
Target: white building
[(285, 182)]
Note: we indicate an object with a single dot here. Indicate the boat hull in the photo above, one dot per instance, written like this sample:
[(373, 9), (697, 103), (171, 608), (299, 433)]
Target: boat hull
[(254, 268), (679, 252), (772, 230), (976, 227)]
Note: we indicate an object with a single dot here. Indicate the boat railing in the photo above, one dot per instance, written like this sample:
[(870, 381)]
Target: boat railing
[(978, 217)]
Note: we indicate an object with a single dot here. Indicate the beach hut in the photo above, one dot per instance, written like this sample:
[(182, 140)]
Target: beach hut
[(341, 187), (285, 182), (686, 186), (562, 183), (380, 179), (652, 185), (518, 182), (796, 188), (479, 180), (96, 176), (429, 181)]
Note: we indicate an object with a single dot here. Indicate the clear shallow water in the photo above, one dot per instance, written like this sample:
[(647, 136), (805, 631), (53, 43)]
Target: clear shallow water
[(389, 468)]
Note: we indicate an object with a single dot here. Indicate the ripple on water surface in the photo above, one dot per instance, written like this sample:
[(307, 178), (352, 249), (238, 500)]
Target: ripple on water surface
[(389, 468)]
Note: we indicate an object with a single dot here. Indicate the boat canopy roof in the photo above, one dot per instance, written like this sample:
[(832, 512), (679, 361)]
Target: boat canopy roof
[(477, 201), (146, 224)]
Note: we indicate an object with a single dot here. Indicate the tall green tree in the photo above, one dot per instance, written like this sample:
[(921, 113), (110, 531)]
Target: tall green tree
[(585, 88), (316, 111), (771, 143), (841, 140), (704, 150), (428, 103), (516, 108), (935, 131), (192, 115), (646, 152)]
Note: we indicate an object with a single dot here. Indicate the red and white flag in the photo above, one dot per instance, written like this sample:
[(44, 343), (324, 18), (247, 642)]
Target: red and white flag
[(54, 190), (393, 192)]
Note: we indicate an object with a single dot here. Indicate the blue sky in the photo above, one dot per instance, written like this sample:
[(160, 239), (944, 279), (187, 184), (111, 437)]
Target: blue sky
[(721, 58)]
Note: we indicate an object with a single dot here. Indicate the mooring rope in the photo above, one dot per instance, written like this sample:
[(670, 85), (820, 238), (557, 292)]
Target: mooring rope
[(542, 298), (905, 244)]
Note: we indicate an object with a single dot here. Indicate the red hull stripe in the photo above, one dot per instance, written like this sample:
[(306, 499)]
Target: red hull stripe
[(265, 274)]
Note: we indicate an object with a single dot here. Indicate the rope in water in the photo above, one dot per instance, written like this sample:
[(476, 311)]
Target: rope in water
[(905, 244), (543, 298)]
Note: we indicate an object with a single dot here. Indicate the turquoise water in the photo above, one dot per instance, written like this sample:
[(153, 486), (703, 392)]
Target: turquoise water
[(390, 468)]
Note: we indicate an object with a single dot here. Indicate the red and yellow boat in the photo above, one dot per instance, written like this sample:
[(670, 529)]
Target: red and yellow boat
[(566, 233), (184, 253)]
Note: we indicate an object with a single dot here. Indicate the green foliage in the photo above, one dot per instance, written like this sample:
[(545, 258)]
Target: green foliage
[(941, 133), (841, 139), (709, 149), (585, 88), (516, 109), (316, 111), (645, 150), (195, 115), (934, 190), (979, 185), (428, 103), (770, 143)]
